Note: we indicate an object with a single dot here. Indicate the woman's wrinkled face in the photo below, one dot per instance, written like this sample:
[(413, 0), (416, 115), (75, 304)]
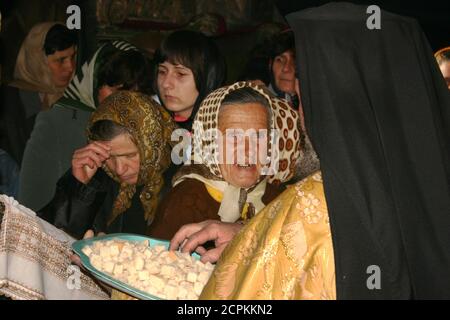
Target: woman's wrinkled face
[(244, 139), (124, 158), (177, 89), (283, 69), (62, 66)]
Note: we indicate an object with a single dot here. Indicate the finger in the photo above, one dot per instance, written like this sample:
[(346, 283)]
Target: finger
[(213, 255), (199, 238), (88, 234), (89, 154), (185, 232), (75, 259), (102, 145), (101, 234), (99, 147), (91, 150), (97, 160), (200, 250)]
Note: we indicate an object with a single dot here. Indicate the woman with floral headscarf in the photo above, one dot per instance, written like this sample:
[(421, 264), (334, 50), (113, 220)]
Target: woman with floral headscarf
[(222, 184), (114, 181), (58, 132)]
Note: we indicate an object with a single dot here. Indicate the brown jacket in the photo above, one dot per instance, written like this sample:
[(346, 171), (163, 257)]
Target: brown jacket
[(190, 202)]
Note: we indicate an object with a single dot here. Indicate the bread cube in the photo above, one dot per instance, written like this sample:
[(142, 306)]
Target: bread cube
[(167, 271), (87, 251), (108, 266), (198, 287), (143, 275), (118, 269), (152, 267), (157, 282), (191, 277), (139, 263), (203, 277), (171, 292)]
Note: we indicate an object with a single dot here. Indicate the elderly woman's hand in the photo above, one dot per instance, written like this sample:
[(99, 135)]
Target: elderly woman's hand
[(190, 238)]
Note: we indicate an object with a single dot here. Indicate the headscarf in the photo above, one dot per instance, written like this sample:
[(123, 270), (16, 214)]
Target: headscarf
[(283, 154), (32, 72), (81, 93), (150, 127), (378, 115)]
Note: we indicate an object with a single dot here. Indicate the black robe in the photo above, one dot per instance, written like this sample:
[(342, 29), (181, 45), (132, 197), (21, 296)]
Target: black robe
[(378, 114)]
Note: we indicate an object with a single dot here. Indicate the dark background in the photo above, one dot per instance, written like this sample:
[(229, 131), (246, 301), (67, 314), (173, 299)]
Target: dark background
[(433, 15), (18, 16)]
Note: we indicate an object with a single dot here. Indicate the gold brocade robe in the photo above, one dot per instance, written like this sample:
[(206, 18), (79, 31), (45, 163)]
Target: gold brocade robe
[(284, 252)]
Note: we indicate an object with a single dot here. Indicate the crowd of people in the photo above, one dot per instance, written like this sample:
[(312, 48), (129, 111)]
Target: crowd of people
[(329, 157)]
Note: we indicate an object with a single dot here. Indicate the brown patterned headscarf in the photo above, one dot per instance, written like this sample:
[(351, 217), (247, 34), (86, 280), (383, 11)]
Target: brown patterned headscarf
[(150, 127), (32, 71), (283, 151)]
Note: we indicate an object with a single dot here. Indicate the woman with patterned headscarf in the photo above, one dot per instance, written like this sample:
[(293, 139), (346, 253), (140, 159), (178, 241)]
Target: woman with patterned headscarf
[(115, 180), (58, 132), (222, 184)]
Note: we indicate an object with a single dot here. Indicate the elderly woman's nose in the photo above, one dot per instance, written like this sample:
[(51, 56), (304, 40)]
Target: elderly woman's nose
[(289, 66)]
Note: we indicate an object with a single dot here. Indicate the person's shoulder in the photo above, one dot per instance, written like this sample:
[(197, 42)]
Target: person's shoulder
[(190, 185)]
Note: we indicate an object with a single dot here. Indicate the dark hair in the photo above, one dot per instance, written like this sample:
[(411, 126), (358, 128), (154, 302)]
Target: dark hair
[(106, 130), (59, 38), (197, 52), (131, 69), (247, 95), (280, 43)]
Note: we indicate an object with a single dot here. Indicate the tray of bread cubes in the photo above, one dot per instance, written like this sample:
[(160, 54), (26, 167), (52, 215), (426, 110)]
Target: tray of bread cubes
[(144, 267)]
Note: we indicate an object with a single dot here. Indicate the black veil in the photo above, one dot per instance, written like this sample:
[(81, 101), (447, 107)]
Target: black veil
[(378, 114)]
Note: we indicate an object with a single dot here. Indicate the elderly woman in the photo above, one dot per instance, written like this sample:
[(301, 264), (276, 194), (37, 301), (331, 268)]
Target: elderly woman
[(58, 132), (216, 188), (114, 181)]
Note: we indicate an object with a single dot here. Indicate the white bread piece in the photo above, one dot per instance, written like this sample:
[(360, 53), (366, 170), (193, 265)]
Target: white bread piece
[(198, 287), (191, 277), (138, 263), (157, 282), (143, 275), (108, 266), (171, 292), (87, 251)]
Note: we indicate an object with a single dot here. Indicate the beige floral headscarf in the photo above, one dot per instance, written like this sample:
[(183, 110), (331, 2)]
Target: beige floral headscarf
[(150, 127), (283, 154), (283, 119), (32, 72)]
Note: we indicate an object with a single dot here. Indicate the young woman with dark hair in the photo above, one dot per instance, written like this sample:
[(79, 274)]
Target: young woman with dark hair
[(188, 67)]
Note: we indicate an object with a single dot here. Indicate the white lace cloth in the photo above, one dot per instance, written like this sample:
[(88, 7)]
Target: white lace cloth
[(34, 259)]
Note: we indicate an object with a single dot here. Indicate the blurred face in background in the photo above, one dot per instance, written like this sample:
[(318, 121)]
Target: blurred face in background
[(445, 69), (62, 66), (283, 69)]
